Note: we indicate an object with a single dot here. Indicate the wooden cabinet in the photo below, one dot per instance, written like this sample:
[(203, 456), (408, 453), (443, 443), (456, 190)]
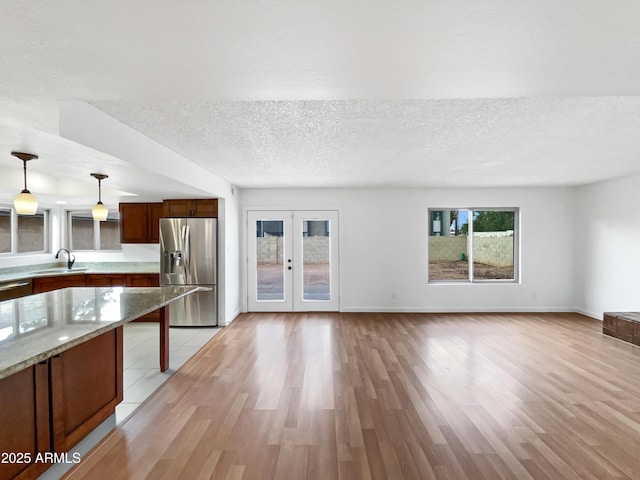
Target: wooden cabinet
[(145, 280), (86, 386), (205, 208), (195, 207), (624, 326), (51, 406), (24, 416), (139, 222), (15, 289), (47, 284), (105, 280), (176, 208)]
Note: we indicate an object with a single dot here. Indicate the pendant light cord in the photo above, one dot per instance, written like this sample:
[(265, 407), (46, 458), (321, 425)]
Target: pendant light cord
[(24, 166), (99, 177)]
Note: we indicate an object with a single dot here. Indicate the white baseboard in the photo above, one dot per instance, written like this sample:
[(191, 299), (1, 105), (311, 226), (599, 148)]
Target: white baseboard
[(456, 310), (231, 318), (586, 313)]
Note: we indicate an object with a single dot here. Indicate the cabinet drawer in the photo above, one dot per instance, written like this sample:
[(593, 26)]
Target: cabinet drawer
[(105, 280)]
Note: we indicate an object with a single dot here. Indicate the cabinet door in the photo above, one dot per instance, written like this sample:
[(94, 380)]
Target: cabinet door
[(197, 207), (86, 386), (133, 223), (24, 416), (205, 207), (154, 214), (177, 208)]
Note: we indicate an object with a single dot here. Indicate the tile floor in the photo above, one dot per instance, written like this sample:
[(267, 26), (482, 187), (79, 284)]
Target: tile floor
[(142, 375)]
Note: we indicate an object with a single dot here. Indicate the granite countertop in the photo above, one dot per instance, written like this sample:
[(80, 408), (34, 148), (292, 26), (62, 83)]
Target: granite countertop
[(37, 327), (55, 269)]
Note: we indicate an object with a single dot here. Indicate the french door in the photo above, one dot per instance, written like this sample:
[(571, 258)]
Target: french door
[(293, 261)]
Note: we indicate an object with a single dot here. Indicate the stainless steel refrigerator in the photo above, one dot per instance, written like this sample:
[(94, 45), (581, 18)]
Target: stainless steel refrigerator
[(188, 249)]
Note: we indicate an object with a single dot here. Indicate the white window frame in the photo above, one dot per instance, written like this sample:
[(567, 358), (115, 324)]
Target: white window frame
[(14, 232), (471, 279), (96, 231)]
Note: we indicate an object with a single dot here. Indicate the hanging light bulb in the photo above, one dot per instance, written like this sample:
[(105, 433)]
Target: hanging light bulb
[(99, 210), (25, 203)]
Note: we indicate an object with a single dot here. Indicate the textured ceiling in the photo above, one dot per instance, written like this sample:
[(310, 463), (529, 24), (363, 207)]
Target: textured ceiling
[(508, 142), (314, 92)]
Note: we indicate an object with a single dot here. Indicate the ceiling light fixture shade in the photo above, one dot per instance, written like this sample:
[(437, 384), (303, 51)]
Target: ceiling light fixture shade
[(25, 202), (99, 210)]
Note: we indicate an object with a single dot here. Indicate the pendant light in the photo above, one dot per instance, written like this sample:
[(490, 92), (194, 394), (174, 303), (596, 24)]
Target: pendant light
[(99, 210), (25, 203)]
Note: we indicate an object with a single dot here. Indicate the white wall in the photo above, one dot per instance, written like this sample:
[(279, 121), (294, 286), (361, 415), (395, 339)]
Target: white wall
[(383, 237), (608, 255), (230, 251)]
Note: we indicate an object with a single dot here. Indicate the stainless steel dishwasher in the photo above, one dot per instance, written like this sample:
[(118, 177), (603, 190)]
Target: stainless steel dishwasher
[(15, 289)]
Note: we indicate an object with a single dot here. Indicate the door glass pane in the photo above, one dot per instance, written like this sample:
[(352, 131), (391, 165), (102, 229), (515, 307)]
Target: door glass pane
[(316, 260), (269, 259), (82, 231), (493, 244), (31, 229), (448, 248), (5, 230)]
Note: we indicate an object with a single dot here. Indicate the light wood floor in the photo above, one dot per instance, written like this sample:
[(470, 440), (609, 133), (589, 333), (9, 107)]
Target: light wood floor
[(397, 396)]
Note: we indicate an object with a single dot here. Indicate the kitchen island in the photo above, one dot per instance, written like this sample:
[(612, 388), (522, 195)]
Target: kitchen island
[(61, 366)]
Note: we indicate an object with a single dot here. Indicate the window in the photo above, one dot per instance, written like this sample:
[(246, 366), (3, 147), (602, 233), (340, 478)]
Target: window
[(110, 233), (32, 232), (5, 230), (87, 234), (473, 245), (81, 231), (23, 233)]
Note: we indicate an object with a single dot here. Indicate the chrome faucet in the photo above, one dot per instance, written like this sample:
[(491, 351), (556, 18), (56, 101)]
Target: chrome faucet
[(70, 258)]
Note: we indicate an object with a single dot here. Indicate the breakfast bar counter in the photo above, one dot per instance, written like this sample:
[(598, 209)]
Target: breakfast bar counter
[(37, 327), (61, 366)]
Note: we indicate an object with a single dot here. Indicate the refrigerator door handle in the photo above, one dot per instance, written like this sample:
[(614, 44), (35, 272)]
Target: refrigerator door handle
[(187, 251)]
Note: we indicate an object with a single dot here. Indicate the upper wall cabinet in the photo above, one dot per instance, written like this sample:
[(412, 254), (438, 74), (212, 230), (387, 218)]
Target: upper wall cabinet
[(200, 207), (140, 222)]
